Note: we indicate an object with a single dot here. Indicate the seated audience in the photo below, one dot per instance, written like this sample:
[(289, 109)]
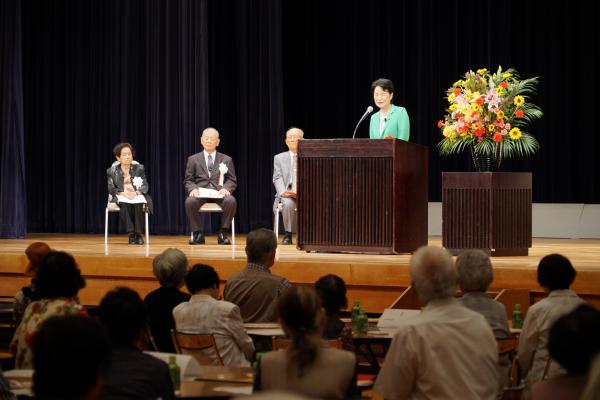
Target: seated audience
[(445, 352), (255, 290), (131, 374), (35, 253), (204, 313), (555, 274), (169, 267), (332, 292), (475, 275), (307, 366), (57, 281), (573, 342), (70, 357)]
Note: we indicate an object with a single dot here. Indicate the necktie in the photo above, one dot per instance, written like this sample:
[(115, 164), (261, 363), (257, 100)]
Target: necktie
[(294, 172), (210, 164)]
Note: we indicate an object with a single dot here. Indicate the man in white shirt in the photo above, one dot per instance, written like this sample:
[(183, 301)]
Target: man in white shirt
[(445, 352), (205, 314), (210, 169), (285, 180)]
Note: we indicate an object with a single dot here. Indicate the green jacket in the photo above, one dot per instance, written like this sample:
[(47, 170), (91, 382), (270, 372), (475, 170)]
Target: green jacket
[(397, 125)]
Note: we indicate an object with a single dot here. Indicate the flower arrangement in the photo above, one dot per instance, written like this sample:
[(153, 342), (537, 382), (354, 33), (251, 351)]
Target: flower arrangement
[(489, 114)]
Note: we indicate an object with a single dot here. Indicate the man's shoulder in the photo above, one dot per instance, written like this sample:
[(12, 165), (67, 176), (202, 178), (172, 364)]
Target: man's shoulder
[(196, 156), (281, 155)]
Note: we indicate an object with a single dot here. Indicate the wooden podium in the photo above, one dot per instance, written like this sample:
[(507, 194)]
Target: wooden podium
[(362, 195), (490, 211)]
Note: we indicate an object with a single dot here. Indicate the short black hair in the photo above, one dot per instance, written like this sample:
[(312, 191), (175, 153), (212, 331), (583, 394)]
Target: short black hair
[(555, 272), (573, 339), (332, 291), (58, 276), (124, 315), (201, 276), (70, 353), (119, 147), (259, 244), (385, 84)]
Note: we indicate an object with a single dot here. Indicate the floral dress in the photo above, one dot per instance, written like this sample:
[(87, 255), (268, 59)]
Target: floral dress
[(36, 313)]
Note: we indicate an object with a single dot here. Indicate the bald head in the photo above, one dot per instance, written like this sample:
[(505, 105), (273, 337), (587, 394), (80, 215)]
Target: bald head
[(433, 273), (292, 136)]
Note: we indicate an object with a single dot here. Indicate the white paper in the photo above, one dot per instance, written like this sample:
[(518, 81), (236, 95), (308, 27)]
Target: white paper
[(235, 389), (392, 318), (19, 373), (209, 193), (139, 199)]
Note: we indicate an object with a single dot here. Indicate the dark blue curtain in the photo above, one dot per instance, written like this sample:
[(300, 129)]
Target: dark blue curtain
[(13, 201)]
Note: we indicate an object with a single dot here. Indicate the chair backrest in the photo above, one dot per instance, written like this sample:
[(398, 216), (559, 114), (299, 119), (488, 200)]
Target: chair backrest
[(199, 345), (510, 297), (408, 300), (279, 343), (508, 347)]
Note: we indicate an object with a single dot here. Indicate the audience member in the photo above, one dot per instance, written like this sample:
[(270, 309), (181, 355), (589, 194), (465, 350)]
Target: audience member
[(35, 253), (131, 373), (70, 357), (445, 352), (332, 292), (255, 290), (307, 366), (285, 178), (204, 313), (573, 343), (475, 275), (57, 282), (555, 274), (169, 267)]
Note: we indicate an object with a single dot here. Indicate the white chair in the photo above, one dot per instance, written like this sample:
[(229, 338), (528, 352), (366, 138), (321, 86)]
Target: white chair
[(114, 207), (276, 219), (212, 208)]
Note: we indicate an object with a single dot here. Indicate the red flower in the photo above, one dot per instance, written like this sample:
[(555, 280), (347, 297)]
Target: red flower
[(479, 101), (519, 113), (463, 129), (503, 84), (389, 137), (440, 123), (497, 137), (457, 91)]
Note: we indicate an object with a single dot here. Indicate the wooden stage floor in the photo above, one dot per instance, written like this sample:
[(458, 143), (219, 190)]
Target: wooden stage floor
[(374, 279)]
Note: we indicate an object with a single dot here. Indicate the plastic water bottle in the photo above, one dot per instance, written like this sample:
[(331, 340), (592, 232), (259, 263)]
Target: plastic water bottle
[(362, 323), (175, 373), (354, 315), (517, 317)]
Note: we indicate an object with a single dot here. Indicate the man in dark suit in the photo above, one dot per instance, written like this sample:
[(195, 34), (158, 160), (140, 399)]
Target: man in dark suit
[(210, 170)]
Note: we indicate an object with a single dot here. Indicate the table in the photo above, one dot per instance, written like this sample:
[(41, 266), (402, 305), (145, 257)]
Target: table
[(217, 381)]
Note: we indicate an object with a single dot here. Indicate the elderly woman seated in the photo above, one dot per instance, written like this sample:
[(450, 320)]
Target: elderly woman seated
[(307, 366), (58, 281), (475, 275), (555, 274), (170, 268)]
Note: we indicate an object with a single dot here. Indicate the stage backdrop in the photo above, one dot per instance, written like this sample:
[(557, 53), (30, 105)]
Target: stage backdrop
[(155, 73)]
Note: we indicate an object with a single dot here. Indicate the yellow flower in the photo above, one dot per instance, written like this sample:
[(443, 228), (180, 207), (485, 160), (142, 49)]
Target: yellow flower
[(500, 115), (449, 132), (457, 83), (514, 133), (482, 70), (491, 127), (451, 98), (519, 100), (499, 90), (452, 107), (506, 75)]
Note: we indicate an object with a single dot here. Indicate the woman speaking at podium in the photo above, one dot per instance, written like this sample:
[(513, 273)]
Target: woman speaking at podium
[(390, 122)]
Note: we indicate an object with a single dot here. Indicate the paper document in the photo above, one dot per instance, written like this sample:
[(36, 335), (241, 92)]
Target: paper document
[(392, 318), (139, 199), (209, 193)]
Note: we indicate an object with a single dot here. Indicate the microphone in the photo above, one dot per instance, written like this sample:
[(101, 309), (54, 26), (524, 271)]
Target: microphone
[(369, 110)]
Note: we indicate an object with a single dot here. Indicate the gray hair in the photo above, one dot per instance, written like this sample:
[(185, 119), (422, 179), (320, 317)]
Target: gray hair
[(474, 271), (433, 273), (170, 267), (260, 243), (210, 129)]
